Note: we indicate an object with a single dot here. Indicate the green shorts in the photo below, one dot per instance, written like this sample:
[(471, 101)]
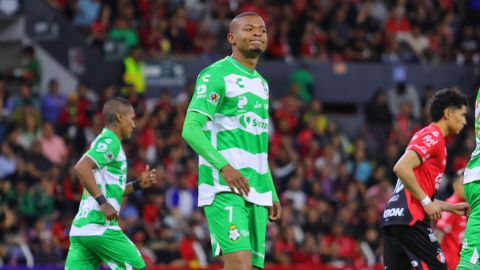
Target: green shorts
[(470, 254), (113, 248), (237, 225)]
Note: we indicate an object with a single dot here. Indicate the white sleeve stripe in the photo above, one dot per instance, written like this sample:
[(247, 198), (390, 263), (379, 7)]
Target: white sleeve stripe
[(201, 112), (96, 163)]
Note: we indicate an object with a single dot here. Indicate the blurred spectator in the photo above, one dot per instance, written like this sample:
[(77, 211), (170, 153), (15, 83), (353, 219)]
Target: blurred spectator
[(8, 162), (133, 74), (304, 78), (31, 69), (100, 27), (181, 197), (402, 93), (43, 196), (181, 32), (29, 131), (37, 164), (417, 42), (25, 201), (53, 146), (86, 12), (122, 32), (360, 168), (53, 102), (398, 22), (378, 117), (4, 92), (468, 45), (295, 194), (338, 248), (4, 122), (24, 97)]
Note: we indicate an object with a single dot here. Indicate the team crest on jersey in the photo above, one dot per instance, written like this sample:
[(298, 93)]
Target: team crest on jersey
[(109, 156), (440, 256), (233, 233), (213, 98)]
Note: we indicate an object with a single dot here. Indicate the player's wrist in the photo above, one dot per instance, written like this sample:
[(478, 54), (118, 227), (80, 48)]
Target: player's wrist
[(136, 185), (426, 201), (101, 199), (223, 168)]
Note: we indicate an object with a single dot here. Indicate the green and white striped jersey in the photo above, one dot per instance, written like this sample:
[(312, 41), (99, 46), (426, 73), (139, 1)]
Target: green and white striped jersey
[(472, 172), (235, 99), (110, 175)]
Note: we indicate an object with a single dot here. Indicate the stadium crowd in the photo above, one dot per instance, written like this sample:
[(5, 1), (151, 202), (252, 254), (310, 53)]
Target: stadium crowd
[(333, 188), (410, 31)]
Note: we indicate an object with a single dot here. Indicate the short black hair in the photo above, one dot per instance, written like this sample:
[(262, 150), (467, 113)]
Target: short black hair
[(244, 14), (112, 107), (446, 98)]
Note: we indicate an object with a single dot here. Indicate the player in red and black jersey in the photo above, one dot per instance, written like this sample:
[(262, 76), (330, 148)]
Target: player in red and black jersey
[(450, 229), (406, 219)]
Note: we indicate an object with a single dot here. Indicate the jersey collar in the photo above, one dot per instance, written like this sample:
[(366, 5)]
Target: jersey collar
[(241, 66), (110, 133)]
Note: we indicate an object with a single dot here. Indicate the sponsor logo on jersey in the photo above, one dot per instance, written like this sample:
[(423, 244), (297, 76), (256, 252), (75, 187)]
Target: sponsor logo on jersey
[(201, 90), (431, 236), (393, 212), (233, 233), (428, 141), (245, 233), (101, 147), (242, 101), (394, 198), (252, 122), (398, 187)]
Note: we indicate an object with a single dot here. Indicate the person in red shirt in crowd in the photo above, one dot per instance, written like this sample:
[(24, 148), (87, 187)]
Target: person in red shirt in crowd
[(398, 22), (450, 228), (339, 248)]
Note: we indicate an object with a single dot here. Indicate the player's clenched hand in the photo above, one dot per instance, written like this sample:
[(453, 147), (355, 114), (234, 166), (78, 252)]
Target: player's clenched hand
[(148, 178), (274, 211), (461, 209), (433, 211), (109, 212), (235, 180)]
